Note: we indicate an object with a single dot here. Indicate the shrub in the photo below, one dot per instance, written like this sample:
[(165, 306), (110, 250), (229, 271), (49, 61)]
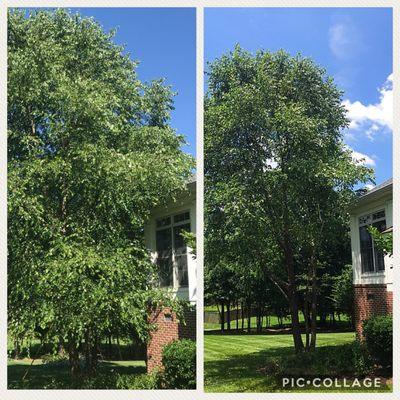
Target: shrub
[(363, 364), (139, 382), (115, 380), (179, 361), (378, 334), (328, 360)]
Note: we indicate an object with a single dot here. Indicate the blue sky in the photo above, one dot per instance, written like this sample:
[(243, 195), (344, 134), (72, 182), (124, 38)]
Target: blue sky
[(353, 44), (164, 41)]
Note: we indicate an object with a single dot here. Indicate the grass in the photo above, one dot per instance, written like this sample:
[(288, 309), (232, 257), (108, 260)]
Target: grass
[(41, 375), (233, 362)]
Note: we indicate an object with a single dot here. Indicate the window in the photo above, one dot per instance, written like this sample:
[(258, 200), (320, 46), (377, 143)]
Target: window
[(372, 259), (172, 256)]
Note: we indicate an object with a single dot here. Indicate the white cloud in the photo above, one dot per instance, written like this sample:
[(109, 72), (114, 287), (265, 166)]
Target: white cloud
[(364, 158), (369, 186), (371, 118), (344, 39)]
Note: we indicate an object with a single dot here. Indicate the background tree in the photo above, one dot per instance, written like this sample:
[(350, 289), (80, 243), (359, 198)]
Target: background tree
[(90, 154), (383, 241), (343, 292), (277, 170)]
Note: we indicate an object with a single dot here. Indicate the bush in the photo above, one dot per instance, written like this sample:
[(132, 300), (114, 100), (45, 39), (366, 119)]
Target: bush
[(115, 380), (179, 361), (139, 382), (378, 335), (329, 361), (363, 364)]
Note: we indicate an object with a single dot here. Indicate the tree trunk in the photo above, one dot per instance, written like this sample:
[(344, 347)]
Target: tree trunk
[(313, 341), (249, 318), (294, 313), (242, 312), (73, 355), (237, 315), (119, 348), (228, 315), (222, 316), (109, 348)]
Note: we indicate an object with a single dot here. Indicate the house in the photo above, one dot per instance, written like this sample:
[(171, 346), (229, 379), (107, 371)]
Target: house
[(176, 267), (372, 270)]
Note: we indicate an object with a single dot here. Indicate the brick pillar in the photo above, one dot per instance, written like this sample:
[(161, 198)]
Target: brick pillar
[(168, 329), (370, 300)]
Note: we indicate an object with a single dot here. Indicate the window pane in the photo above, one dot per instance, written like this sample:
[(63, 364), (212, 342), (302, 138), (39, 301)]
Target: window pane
[(366, 219), (179, 242), (378, 215), (164, 256), (367, 261), (379, 256), (182, 270), (161, 222), (165, 271), (181, 217), (180, 248)]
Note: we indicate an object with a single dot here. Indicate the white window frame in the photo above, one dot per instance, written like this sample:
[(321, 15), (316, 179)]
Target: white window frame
[(369, 223)]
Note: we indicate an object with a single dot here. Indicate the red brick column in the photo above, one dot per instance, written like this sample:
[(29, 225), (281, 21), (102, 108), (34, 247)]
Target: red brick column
[(168, 329), (370, 300)]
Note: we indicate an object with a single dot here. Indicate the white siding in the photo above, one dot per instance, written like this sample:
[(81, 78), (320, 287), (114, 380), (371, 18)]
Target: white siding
[(187, 203), (386, 276)]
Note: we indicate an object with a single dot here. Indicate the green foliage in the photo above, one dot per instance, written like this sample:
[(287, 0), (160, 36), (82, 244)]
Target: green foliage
[(115, 380), (363, 363), (90, 153), (378, 334), (140, 382), (179, 361), (190, 239), (383, 241), (278, 176), (343, 291)]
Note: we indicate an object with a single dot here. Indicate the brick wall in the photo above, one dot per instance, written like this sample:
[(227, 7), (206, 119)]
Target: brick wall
[(370, 300), (168, 329)]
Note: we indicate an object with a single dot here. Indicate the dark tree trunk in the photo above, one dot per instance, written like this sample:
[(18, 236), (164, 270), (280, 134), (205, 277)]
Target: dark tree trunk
[(73, 355), (313, 341), (228, 315), (249, 318), (222, 316), (237, 315), (109, 348), (119, 348), (292, 295), (242, 311)]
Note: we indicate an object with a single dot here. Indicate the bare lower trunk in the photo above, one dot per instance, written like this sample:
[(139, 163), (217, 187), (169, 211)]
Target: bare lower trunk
[(237, 315), (222, 316), (249, 318), (296, 332), (228, 315), (242, 311), (313, 341), (73, 355)]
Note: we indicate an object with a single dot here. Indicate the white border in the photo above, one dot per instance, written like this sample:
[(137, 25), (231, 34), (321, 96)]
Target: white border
[(198, 394)]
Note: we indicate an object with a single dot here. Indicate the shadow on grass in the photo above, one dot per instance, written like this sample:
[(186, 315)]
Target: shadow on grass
[(262, 371), (41, 375)]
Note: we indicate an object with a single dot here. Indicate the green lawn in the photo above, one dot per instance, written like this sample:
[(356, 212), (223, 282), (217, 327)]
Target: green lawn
[(233, 362), (41, 375)]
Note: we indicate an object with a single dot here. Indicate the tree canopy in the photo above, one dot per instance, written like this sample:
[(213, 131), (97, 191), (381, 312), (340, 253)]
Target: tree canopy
[(90, 153), (278, 177)]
